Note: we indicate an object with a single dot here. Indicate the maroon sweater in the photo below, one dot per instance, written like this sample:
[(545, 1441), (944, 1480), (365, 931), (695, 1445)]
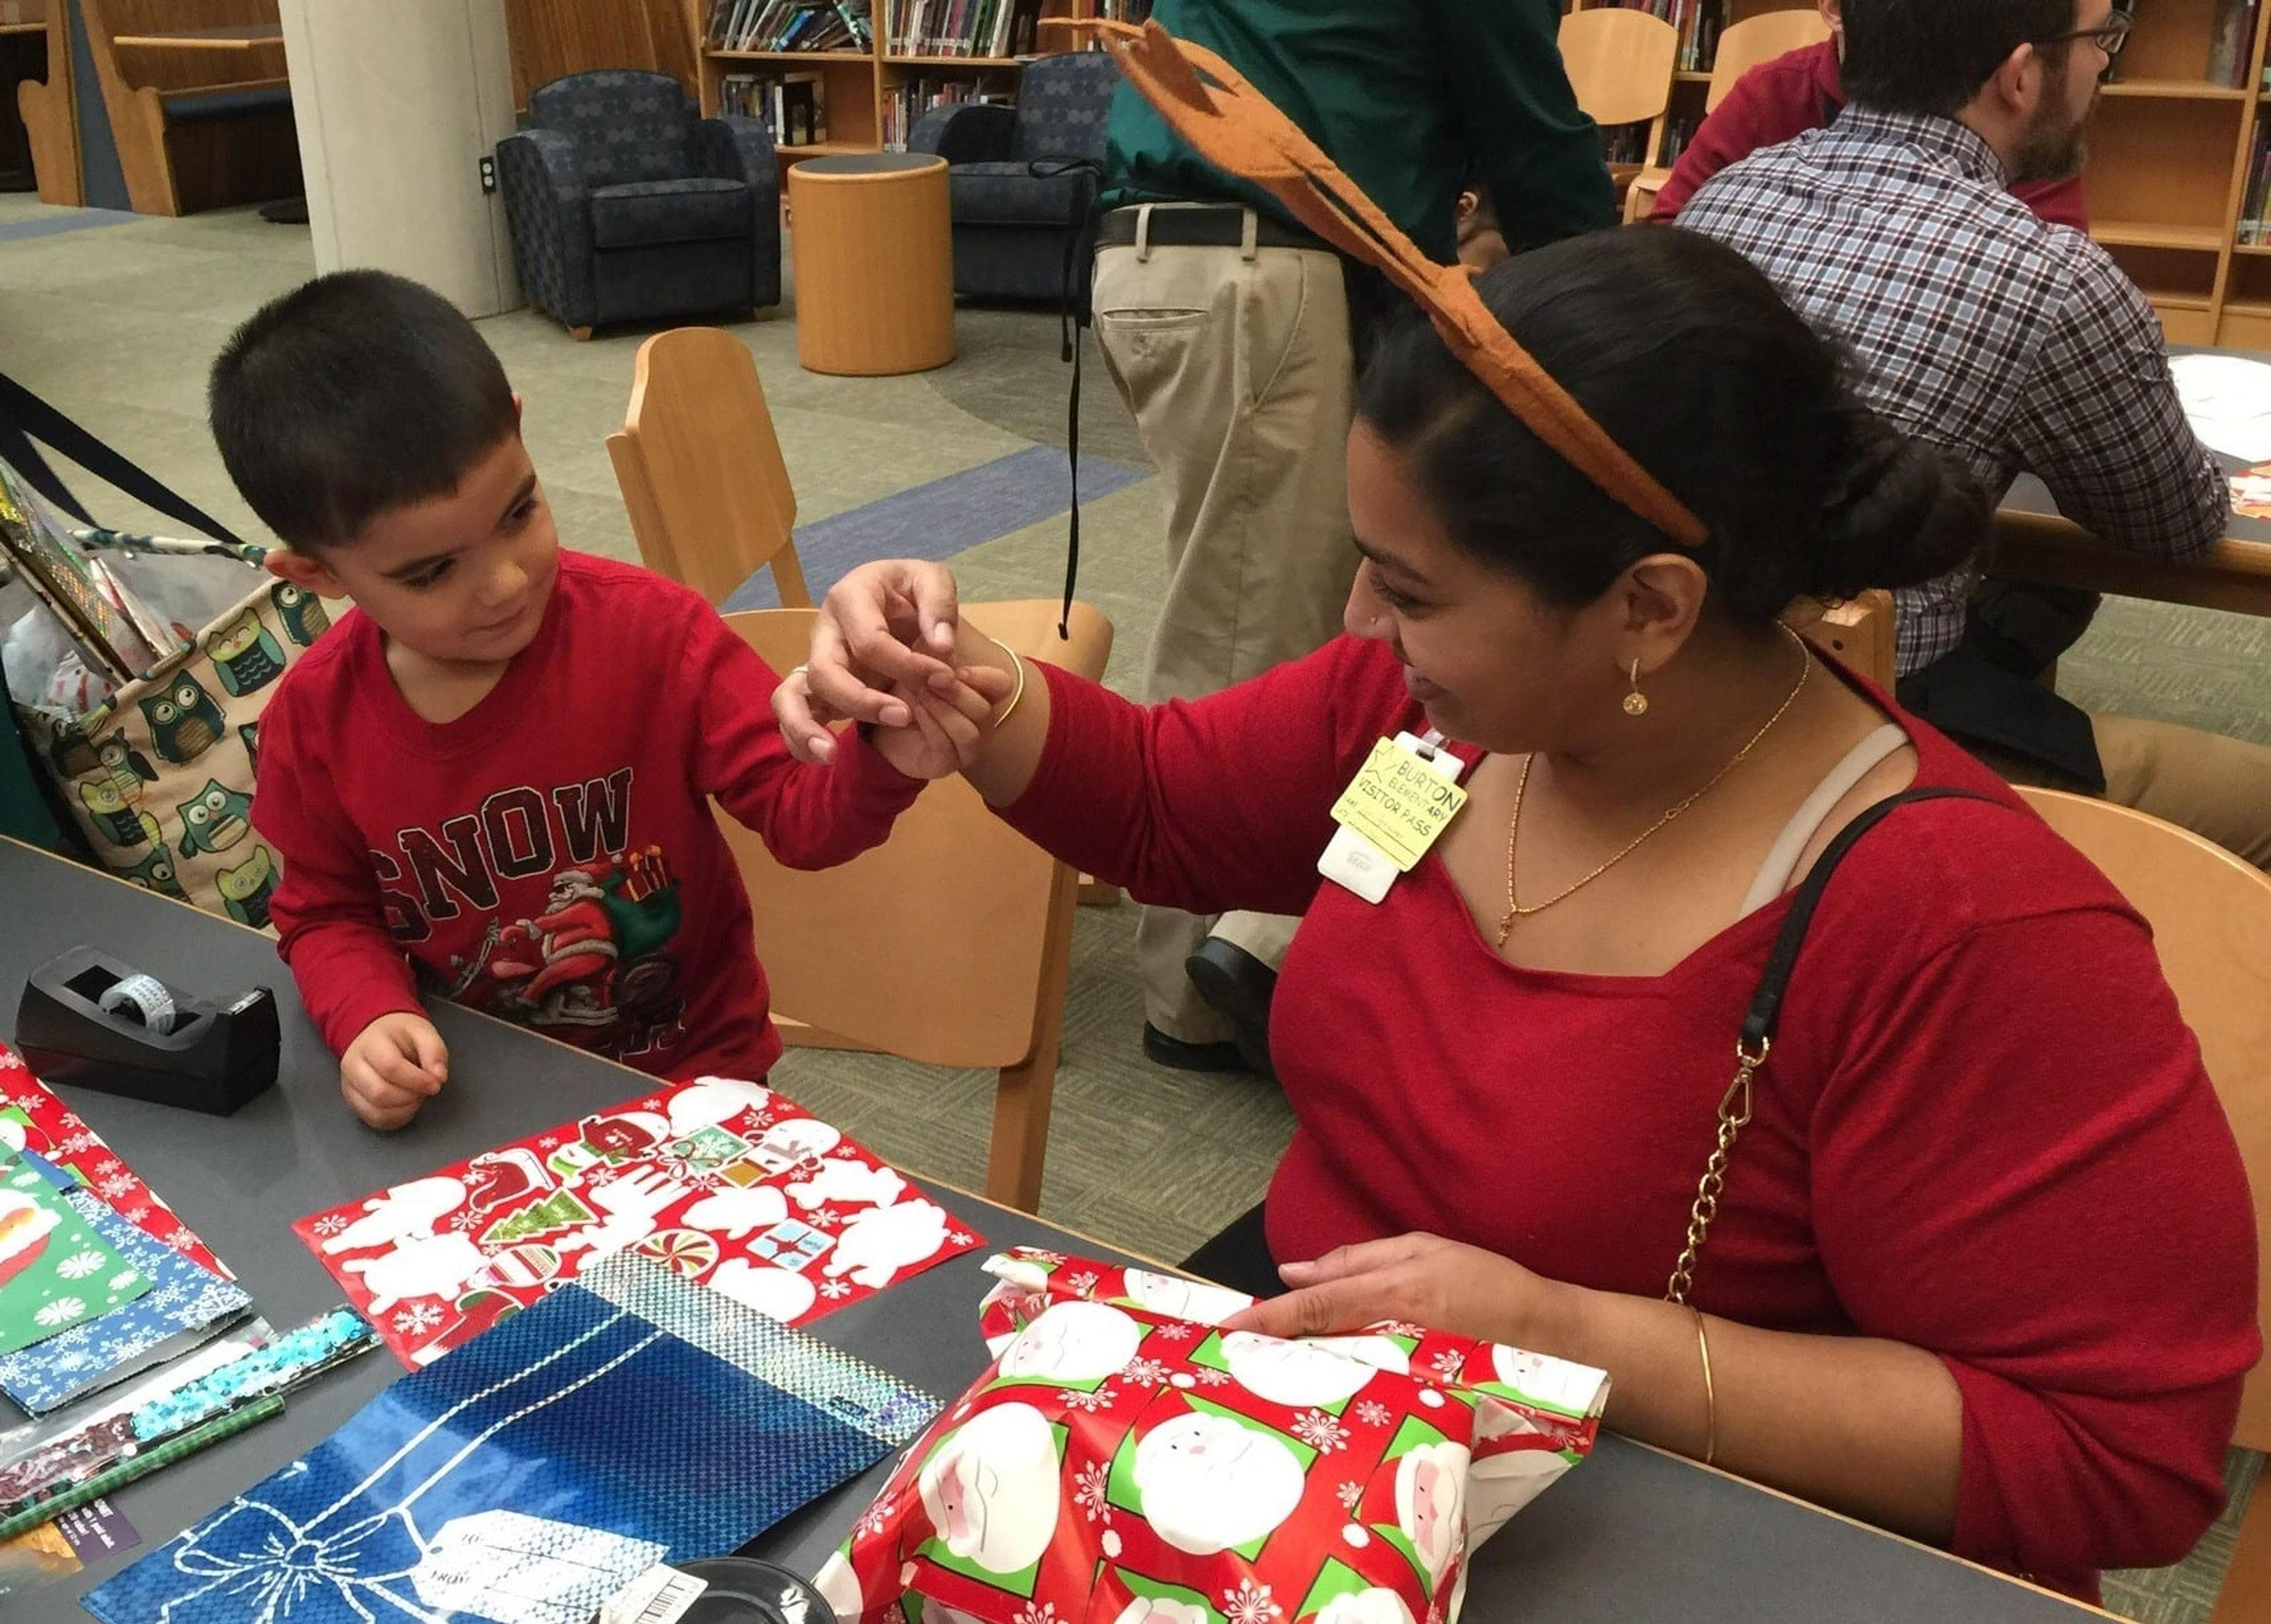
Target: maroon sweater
[(1985, 1131), (551, 856), (1780, 100)]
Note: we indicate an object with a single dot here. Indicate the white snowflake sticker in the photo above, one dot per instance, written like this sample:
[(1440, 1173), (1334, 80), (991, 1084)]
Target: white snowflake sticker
[(1372, 1413), (1250, 1604), (1320, 1432), (1348, 1495), (330, 1225), (418, 1319), (78, 1265), (123, 1278), (63, 1311), (1088, 1493)]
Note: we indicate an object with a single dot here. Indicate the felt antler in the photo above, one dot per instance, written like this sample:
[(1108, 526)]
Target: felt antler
[(1237, 129)]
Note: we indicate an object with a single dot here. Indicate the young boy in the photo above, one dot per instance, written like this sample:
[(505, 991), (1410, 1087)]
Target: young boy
[(492, 777)]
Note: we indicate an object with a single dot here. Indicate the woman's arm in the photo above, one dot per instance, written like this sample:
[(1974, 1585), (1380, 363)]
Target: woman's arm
[(1873, 1428), (1213, 804)]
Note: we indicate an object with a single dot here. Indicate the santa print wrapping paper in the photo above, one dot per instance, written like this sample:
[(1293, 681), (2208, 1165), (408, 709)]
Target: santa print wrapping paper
[(1121, 1462), (33, 1119), (722, 1181)]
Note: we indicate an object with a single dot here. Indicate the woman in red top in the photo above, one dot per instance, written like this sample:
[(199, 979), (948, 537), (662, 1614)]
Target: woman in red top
[(1984, 1268)]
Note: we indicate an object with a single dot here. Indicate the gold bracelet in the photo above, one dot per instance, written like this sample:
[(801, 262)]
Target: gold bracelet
[(1710, 1393), (1017, 660)]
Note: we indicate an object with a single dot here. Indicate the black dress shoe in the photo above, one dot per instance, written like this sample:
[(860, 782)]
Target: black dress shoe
[(1238, 986), (1174, 1053)]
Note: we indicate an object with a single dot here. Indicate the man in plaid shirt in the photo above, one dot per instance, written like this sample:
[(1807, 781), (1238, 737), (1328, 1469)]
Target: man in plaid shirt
[(2015, 344)]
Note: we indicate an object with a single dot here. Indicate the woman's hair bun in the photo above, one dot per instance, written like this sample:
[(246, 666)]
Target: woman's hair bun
[(1902, 511)]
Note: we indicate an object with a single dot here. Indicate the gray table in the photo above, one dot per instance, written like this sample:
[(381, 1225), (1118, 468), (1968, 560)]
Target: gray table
[(1630, 1537)]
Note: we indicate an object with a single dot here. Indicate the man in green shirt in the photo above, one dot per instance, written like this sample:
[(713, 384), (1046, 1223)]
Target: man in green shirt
[(1228, 329)]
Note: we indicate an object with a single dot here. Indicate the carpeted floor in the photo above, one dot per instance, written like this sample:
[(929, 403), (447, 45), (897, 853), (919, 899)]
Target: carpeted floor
[(115, 319)]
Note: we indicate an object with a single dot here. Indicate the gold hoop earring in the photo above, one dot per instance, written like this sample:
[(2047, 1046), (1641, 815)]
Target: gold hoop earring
[(1635, 702)]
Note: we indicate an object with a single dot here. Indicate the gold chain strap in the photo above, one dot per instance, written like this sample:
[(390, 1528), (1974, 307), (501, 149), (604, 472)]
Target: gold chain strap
[(1734, 1116)]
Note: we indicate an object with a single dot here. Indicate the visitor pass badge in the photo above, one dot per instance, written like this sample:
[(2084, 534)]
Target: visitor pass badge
[(1403, 798)]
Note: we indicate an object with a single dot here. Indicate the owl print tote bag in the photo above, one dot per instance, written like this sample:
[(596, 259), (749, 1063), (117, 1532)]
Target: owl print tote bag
[(158, 777)]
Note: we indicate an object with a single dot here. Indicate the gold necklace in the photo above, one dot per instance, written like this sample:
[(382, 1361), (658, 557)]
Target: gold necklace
[(1515, 911)]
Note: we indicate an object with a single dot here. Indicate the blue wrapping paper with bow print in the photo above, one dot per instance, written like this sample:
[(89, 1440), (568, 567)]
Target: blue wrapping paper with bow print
[(629, 1417)]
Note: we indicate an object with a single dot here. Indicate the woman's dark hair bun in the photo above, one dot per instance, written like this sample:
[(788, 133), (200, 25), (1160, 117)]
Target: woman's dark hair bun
[(1902, 511)]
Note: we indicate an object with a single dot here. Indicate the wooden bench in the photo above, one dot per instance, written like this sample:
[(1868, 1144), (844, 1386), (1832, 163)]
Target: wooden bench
[(199, 106), (49, 123)]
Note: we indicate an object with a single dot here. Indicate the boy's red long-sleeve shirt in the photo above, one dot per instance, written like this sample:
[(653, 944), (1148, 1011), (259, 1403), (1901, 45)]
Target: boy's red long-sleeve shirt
[(1984, 1131), (551, 856), (1779, 101)]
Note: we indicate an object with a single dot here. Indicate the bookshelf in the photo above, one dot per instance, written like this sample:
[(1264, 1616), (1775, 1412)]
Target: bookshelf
[(2171, 156), (919, 53)]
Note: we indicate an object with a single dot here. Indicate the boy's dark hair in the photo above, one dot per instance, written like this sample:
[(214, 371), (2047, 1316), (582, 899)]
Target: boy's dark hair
[(352, 394), (1684, 352), (1930, 56)]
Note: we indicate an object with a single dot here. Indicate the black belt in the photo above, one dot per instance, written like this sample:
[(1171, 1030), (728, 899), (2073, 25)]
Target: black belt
[(1220, 225)]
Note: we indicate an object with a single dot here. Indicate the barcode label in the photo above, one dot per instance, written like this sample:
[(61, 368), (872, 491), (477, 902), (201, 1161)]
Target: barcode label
[(661, 1594)]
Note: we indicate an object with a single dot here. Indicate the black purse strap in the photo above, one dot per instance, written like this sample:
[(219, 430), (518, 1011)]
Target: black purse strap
[(26, 422), (1764, 1017)]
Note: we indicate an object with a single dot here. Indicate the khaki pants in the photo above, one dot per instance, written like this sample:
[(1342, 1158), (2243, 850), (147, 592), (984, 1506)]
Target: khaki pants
[(1236, 366), (2218, 787)]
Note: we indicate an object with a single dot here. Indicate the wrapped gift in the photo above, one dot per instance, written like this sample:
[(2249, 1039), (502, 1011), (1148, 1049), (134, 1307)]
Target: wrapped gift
[(1123, 1460)]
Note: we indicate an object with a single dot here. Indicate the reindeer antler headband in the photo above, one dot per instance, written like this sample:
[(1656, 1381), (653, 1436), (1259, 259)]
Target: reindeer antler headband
[(1237, 129)]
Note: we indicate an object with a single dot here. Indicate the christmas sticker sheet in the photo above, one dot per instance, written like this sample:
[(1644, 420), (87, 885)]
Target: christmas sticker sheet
[(33, 1119), (721, 1182), (1124, 1461), (630, 1419), (55, 1272), (182, 1306)]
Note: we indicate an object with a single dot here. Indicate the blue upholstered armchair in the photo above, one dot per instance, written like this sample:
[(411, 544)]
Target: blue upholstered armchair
[(1014, 196), (626, 205)]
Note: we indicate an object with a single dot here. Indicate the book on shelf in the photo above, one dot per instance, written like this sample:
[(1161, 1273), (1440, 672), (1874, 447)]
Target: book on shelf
[(1698, 24), (790, 25), (2231, 43), (2252, 230), (792, 106), (905, 102), (965, 28)]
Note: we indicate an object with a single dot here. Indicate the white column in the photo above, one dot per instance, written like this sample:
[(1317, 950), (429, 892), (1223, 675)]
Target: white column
[(397, 104)]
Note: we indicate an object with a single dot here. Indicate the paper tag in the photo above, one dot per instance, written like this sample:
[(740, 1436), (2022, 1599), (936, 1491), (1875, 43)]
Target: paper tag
[(1401, 802), (661, 1594)]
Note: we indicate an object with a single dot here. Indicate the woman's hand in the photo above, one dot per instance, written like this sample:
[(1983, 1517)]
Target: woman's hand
[(946, 732), (888, 625), (1424, 1279)]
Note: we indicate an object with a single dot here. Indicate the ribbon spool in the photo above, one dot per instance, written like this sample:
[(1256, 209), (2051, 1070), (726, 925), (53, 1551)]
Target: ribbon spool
[(142, 999)]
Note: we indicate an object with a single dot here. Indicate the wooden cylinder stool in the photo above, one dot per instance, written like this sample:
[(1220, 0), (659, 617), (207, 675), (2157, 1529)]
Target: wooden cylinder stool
[(873, 247)]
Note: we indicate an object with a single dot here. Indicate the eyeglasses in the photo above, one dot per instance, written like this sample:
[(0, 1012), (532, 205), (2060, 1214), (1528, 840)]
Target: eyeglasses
[(2109, 38)]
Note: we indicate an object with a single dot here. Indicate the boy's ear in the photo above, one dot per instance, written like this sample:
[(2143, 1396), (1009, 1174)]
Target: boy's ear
[(519, 406), (305, 571)]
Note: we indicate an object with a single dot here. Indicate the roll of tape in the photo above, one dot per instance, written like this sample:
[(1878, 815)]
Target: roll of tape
[(144, 996)]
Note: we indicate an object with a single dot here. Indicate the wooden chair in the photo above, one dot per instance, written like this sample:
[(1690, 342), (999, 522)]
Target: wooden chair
[(701, 468), (195, 128), (2211, 918), (1744, 46), (948, 944), (1758, 40), (1620, 64), (712, 503), (1858, 633)]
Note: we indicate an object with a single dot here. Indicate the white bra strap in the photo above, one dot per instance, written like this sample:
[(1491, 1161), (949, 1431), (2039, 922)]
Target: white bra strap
[(1780, 866)]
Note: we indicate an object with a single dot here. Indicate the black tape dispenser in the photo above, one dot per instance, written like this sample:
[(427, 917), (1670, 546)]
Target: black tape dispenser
[(90, 1022)]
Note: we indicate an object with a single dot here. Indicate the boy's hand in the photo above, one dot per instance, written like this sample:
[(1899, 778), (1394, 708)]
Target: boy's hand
[(393, 1067), (946, 732), (885, 625)]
